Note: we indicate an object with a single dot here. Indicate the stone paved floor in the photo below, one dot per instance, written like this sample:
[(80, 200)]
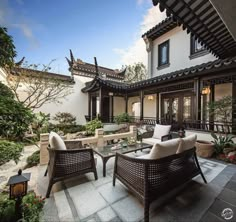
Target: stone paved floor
[(84, 199)]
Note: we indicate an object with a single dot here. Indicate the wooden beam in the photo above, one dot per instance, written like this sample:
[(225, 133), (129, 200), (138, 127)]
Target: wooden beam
[(212, 99), (126, 103), (157, 107), (89, 105)]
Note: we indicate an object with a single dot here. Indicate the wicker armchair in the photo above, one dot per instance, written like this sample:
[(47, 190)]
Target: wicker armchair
[(69, 163), (148, 179)]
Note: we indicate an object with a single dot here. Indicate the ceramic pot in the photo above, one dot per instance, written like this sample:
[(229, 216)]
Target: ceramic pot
[(204, 148)]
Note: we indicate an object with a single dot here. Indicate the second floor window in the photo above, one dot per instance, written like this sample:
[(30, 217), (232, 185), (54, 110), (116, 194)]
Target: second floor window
[(196, 46), (163, 53)]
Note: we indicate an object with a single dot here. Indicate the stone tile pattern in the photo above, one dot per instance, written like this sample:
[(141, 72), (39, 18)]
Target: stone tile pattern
[(100, 201), (224, 206)]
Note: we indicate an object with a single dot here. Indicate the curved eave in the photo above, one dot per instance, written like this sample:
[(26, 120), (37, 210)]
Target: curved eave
[(202, 20)]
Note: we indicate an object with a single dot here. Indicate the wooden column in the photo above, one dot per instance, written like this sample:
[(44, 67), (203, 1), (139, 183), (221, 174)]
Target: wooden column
[(141, 104), (211, 99), (126, 103), (157, 107), (89, 106), (234, 105), (111, 107), (100, 104), (197, 91)]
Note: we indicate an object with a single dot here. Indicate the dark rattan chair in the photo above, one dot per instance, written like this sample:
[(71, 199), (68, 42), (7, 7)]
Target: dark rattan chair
[(149, 179), (68, 163)]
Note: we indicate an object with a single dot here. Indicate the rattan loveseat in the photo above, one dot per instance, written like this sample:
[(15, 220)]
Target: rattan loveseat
[(148, 179), (68, 163)]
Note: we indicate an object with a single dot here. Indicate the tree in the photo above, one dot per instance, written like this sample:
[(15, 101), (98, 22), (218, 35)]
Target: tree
[(135, 73), (7, 49), (14, 117), (34, 87)]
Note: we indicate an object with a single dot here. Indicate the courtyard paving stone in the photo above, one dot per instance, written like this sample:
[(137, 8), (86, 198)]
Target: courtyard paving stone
[(91, 200)]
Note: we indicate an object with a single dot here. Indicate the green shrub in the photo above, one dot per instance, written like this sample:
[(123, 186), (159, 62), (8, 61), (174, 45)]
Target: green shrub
[(222, 142), (7, 208), (9, 151), (65, 118), (14, 119), (33, 160), (92, 125), (122, 118), (32, 206), (6, 91)]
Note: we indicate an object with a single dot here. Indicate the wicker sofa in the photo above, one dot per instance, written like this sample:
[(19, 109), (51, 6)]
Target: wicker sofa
[(71, 162), (148, 179)]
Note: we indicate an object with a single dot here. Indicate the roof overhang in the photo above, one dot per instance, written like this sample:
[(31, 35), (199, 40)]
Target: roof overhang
[(201, 18)]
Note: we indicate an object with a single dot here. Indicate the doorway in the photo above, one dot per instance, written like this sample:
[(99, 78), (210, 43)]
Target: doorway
[(177, 108)]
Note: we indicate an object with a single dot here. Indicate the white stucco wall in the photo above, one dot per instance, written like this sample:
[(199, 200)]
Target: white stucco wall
[(179, 52), (75, 103), (149, 106), (2, 76), (118, 105), (136, 109)]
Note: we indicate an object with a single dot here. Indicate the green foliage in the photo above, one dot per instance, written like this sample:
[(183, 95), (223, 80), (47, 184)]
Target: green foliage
[(7, 48), (122, 118), (41, 123), (66, 122), (33, 160), (14, 118), (32, 206), (6, 91), (92, 125), (9, 151), (7, 208), (65, 118), (222, 142), (221, 109), (135, 73)]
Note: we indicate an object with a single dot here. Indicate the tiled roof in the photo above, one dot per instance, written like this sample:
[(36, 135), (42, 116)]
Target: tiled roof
[(88, 69), (19, 70), (161, 28), (194, 71), (78, 67), (201, 19)]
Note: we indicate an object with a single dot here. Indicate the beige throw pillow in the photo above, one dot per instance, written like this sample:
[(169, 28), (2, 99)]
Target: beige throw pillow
[(163, 149), (187, 143), (161, 130), (56, 142)]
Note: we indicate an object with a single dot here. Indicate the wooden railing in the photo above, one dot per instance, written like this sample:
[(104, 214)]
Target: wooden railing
[(206, 126)]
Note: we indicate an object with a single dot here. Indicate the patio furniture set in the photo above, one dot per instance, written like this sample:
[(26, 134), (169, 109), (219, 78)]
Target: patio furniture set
[(169, 164)]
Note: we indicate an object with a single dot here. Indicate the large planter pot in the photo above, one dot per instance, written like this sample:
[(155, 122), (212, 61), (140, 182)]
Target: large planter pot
[(204, 148)]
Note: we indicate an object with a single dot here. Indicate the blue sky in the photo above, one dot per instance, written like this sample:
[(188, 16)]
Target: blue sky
[(107, 29)]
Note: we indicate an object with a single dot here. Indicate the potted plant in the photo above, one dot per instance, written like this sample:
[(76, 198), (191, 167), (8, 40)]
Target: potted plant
[(223, 144)]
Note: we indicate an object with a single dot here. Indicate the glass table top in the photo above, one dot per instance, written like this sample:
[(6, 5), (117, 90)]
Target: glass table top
[(107, 151)]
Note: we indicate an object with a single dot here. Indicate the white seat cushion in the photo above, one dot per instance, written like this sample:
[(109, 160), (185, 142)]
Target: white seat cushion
[(146, 156), (161, 130), (56, 142), (187, 143), (163, 149), (151, 141)]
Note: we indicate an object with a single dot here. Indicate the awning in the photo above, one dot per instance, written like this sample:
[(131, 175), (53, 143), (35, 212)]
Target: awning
[(201, 19)]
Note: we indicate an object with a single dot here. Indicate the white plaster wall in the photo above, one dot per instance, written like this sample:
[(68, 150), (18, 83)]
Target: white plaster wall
[(75, 103), (118, 105), (222, 90), (3, 76), (149, 106), (179, 52), (130, 102)]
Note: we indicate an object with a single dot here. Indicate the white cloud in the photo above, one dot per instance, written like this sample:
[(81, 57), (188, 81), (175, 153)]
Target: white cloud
[(136, 52), (10, 18)]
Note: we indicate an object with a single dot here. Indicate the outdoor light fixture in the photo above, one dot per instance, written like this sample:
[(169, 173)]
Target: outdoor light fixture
[(18, 188), (150, 97), (206, 91), (110, 94)]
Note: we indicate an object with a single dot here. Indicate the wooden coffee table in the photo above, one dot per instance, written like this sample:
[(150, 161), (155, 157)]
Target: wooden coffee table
[(106, 153)]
